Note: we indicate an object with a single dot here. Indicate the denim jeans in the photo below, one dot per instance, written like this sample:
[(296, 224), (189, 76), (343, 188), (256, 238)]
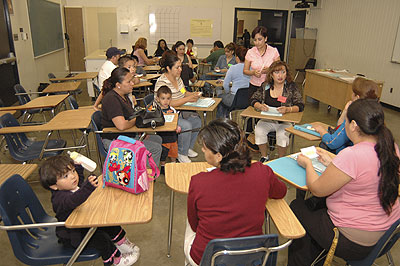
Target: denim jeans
[(187, 138)]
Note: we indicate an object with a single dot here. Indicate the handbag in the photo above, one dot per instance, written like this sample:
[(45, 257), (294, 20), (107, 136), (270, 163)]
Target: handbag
[(151, 116)]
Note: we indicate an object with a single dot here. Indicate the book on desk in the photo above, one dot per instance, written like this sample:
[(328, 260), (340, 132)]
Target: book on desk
[(202, 102), (307, 128)]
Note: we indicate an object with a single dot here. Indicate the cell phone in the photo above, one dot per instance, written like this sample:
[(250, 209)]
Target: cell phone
[(200, 93)]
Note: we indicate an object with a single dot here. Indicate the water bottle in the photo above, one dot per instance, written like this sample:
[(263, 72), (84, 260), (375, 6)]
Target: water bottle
[(86, 163)]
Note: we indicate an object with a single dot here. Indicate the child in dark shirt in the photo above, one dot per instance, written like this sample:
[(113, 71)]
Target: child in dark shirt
[(169, 139), (69, 190)]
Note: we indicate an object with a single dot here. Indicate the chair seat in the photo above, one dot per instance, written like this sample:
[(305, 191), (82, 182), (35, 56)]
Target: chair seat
[(32, 151)]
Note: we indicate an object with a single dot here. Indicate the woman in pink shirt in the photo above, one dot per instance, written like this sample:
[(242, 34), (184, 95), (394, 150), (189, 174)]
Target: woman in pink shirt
[(361, 184), (259, 58)]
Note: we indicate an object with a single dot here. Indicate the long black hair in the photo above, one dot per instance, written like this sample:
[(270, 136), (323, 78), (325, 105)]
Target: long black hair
[(117, 75), (224, 136), (168, 59), (369, 116)]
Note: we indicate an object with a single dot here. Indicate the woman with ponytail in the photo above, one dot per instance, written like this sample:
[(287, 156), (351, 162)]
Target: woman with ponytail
[(228, 201), (361, 184)]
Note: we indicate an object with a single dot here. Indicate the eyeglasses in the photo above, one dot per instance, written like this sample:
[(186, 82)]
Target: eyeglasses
[(279, 72)]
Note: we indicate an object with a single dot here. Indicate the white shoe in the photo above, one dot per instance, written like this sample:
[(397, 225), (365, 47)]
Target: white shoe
[(192, 153), (128, 247), (183, 159), (128, 259)]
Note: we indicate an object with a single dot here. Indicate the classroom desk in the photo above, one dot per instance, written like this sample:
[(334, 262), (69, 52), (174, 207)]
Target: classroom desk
[(332, 88), (110, 207), (79, 76), (143, 84), (168, 126), (66, 120), (204, 110), (63, 87), (177, 178), (24, 170), (216, 74), (153, 68), (305, 135), (151, 76), (7, 112)]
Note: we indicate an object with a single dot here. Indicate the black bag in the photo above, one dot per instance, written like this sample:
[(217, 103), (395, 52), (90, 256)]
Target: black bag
[(151, 116)]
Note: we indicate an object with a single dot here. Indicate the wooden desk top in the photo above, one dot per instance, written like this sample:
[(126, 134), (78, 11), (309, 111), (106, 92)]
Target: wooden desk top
[(151, 76), (24, 170), (79, 76), (340, 76), (215, 83), (290, 117), (142, 84), (203, 109), (178, 175), (167, 127), (152, 68), (111, 206), (5, 112), (215, 74), (199, 83), (39, 102), (63, 87), (305, 135), (66, 120)]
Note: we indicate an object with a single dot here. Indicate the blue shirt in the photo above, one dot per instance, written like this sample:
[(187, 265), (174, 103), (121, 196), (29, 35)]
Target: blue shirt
[(222, 62), (238, 79)]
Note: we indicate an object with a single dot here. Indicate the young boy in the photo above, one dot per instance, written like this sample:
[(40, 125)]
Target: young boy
[(169, 139), (69, 190)]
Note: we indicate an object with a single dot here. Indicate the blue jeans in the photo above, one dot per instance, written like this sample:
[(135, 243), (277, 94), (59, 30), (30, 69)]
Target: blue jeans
[(227, 100), (186, 140)]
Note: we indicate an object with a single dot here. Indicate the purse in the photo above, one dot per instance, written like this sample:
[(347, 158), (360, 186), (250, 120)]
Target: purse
[(151, 116)]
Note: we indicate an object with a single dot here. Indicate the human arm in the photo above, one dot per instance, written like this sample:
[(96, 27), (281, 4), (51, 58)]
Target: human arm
[(331, 180), (189, 97), (228, 78), (193, 218), (324, 156), (344, 113), (257, 99), (147, 61), (286, 109), (121, 123), (247, 71), (277, 189), (97, 103), (189, 62), (336, 140)]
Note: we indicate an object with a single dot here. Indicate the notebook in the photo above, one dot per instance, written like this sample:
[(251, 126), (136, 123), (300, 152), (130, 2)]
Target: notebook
[(307, 128), (202, 102), (311, 153), (273, 111)]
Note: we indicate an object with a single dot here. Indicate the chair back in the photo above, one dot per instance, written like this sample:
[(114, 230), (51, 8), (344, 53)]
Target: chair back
[(252, 250), (38, 246), (241, 100), (97, 127), (23, 99), (148, 99), (72, 102), (310, 63), (97, 91), (382, 247), (15, 141)]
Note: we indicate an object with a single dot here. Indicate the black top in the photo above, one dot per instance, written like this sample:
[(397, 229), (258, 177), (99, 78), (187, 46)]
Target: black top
[(65, 201), (159, 52)]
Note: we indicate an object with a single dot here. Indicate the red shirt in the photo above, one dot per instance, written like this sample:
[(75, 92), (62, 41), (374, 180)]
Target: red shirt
[(224, 205)]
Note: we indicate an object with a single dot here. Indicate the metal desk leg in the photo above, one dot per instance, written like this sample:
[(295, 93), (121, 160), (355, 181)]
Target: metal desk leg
[(46, 141), (81, 246), (204, 118), (170, 222), (292, 146), (267, 223), (86, 139)]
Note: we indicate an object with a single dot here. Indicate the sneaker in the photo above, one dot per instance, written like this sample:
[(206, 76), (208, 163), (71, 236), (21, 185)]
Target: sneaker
[(192, 153), (264, 159), (128, 259), (127, 247), (183, 159)]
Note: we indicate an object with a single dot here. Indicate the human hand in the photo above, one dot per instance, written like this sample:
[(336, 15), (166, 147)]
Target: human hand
[(324, 157), (178, 129), (282, 109), (320, 129), (93, 180), (265, 70), (262, 107), (193, 96), (96, 108), (347, 106), (257, 73), (303, 161)]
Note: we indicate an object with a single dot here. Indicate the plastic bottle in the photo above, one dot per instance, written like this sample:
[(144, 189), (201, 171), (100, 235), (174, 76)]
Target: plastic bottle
[(86, 163)]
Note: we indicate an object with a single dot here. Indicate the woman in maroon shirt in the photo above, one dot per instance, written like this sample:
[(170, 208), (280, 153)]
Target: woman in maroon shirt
[(228, 201)]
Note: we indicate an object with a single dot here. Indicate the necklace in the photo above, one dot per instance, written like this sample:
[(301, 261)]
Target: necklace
[(266, 47)]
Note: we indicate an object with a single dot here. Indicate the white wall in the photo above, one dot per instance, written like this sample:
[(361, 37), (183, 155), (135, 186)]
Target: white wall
[(250, 18), (359, 35)]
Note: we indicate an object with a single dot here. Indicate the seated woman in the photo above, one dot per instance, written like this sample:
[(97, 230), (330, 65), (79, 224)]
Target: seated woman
[(279, 91), (161, 48), (361, 184), (117, 111), (187, 66), (228, 201), (238, 79), (188, 120), (227, 60), (139, 51), (338, 140), (191, 50)]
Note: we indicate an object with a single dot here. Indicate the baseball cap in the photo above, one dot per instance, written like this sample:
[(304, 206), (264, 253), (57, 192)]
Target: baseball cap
[(113, 51)]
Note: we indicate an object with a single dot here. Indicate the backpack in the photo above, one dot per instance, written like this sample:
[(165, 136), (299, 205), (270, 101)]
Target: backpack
[(125, 166)]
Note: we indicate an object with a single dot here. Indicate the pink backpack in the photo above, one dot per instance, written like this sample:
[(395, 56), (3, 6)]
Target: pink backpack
[(125, 166)]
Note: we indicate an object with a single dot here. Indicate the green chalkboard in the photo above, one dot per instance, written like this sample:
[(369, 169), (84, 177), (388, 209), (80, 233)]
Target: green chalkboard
[(46, 27)]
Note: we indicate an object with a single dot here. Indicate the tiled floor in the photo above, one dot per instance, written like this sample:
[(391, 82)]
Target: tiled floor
[(152, 237)]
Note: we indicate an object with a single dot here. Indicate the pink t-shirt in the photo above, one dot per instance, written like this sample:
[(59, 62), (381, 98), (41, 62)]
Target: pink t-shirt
[(141, 60), (356, 204), (257, 62)]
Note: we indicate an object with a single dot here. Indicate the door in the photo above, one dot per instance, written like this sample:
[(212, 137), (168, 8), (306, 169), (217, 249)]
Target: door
[(75, 38), (276, 23), (8, 67)]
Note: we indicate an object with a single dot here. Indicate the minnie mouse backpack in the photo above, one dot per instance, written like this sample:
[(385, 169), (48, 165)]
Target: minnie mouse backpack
[(125, 166)]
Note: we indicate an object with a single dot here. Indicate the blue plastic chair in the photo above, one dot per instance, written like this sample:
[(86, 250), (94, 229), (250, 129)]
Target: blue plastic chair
[(21, 148), (23, 98), (97, 129), (35, 242), (381, 248), (251, 250)]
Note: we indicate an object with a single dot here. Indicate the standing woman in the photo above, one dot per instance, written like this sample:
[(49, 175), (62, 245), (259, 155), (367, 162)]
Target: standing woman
[(161, 48), (227, 60), (139, 50), (191, 50), (117, 111), (259, 58), (279, 91), (189, 121), (361, 185)]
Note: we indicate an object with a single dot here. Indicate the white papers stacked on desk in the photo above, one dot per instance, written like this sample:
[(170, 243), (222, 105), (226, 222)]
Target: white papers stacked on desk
[(202, 102), (273, 111), (311, 153)]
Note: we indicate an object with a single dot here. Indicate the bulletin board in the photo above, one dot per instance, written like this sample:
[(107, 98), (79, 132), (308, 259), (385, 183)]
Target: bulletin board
[(396, 48), (203, 25)]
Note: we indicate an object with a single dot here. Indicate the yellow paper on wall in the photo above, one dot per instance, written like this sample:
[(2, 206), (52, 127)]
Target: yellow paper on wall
[(201, 27)]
